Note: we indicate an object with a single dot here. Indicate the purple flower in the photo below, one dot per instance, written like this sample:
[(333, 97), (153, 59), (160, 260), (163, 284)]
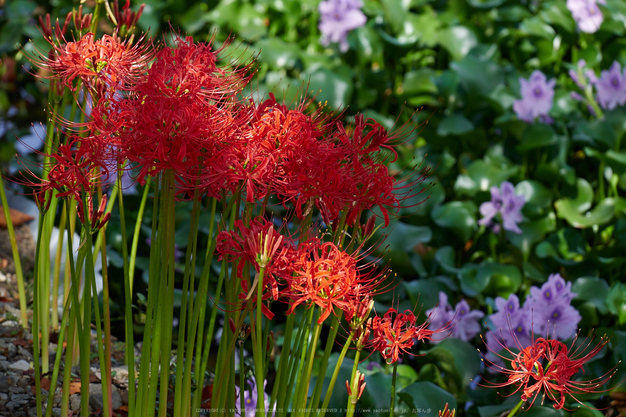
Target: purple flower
[(551, 309), (512, 326), (587, 14), (611, 87), (250, 398), (465, 321), (338, 17), (537, 95), (505, 202)]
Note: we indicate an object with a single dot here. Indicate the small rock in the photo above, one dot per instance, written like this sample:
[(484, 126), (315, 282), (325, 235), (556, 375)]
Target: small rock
[(20, 365), (4, 365), (16, 390), (32, 412), (18, 398), (25, 353), (24, 382), (95, 397), (52, 348), (75, 403), (56, 412), (11, 405), (3, 398), (4, 383), (120, 374)]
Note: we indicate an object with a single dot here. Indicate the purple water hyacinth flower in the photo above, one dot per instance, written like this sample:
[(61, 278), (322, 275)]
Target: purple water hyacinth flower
[(512, 325), (537, 96), (466, 321), (250, 398), (551, 309), (505, 202), (611, 87), (587, 14), (338, 17)]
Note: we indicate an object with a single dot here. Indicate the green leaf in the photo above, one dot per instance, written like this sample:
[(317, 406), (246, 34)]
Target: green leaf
[(601, 214), (278, 53), (535, 193), (534, 26), (532, 232), (537, 135), (404, 237), (464, 358), (458, 216), (427, 398), (592, 289), (555, 13), (616, 301), (455, 124), (478, 76), (419, 81), (425, 291), (503, 280), (446, 259), (458, 41), (481, 176), (334, 87)]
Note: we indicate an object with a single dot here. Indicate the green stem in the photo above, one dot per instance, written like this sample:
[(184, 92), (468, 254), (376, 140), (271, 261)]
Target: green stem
[(516, 409), (393, 389), (16, 256), (333, 378), (259, 353)]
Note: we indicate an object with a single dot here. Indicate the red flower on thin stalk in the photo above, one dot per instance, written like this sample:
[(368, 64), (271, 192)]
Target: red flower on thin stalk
[(332, 278), (547, 368), (395, 333)]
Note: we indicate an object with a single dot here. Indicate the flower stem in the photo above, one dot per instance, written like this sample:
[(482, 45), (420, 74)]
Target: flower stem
[(516, 409), (393, 389)]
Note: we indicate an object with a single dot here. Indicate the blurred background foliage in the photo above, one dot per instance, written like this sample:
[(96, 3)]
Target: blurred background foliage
[(450, 69)]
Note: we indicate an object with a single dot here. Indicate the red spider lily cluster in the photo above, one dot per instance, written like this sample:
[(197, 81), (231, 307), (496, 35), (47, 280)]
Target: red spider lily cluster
[(309, 273), (176, 107), (548, 367)]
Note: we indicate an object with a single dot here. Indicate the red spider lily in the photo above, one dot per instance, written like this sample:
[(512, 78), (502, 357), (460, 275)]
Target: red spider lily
[(329, 277), (256, 244), (97, 218), (77, 167), (396, 333), (547, 367), (393, 334), (108, 60)]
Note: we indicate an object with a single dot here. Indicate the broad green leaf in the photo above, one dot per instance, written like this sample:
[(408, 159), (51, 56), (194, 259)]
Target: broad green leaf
[(427, 398), (425, 291), (478, 76), (404, 237), (556, 13), (532, 232), (592, 289), (535, 193), (334, 87), (446, 259), (537, 135), (534, 26), (458, 216), (502, 280), (601, 214), (455, 124), (616, 301), (418, 81), (481, 176), (277, 53), (458, 41)]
